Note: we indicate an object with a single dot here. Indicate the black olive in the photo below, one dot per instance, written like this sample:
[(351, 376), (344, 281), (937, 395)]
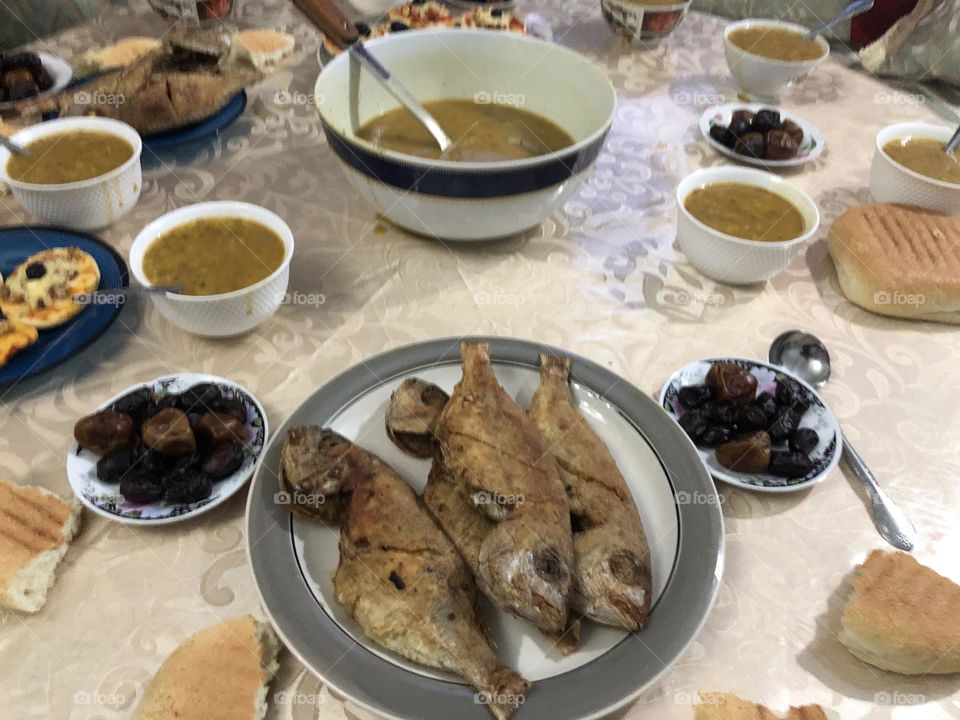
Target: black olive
[(804, 440), (723, 135), (752, 418), (693, 425), (186, 486), (766, 120), (199, 398), (224, 461), (785, 425), (767, 403), (35, 270), (719, 413), (752, 145), (140, 488), (740, 122), (397, 26), (780, 146), (112, 468), (135, 404), (693, 396), (716, 435), (363, 29), (786, 394), (789, 464), (496, 12)]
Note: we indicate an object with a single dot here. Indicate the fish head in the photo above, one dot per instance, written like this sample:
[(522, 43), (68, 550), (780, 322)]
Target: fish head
[(614, 579), (534, 582)]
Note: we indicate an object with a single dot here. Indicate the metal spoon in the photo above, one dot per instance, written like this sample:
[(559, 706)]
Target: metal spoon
[(15, 148), (804, 355), (854, 8), (342, 31), (954, 142)]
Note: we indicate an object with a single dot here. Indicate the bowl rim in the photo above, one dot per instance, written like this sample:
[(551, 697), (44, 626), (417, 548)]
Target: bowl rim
[(640, 6), (213, 208), (773, 22), (895, 130), (763, 180), (51, 127), (471, 167)]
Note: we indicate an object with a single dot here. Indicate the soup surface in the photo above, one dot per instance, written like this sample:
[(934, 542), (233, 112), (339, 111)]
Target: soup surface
[(213, 255), (481, 132), (776, 43), (746, 211), (925, 156), (70, 157)]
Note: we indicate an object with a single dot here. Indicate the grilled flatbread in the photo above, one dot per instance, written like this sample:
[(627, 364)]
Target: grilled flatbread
[(36, 527), (903, 616), (120, 54), (15, 337), (41, 290), (726, 706)]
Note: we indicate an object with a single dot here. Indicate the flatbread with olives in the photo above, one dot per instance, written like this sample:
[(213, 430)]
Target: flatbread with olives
[(15, 337), (41, 290)]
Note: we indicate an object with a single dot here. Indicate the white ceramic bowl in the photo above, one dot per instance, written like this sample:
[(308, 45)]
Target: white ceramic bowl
[(763, 76), (226, 314), (633, 20), (734, 260), (891, 182), (467, 201), (87, 204)]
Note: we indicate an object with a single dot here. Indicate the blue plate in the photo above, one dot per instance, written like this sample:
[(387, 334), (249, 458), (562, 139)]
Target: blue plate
[(208, 126), (60, 343)]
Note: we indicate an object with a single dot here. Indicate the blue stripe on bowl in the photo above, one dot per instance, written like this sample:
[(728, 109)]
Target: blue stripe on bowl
[(468, 183)]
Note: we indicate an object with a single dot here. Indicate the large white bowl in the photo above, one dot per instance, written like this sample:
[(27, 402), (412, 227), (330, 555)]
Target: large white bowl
[(891, 182), (467, 201), (734, 260), (763, 76), (226, 314), (87, 204)]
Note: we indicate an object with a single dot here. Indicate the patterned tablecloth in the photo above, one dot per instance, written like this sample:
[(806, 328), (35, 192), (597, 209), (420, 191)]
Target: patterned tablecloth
[(603, 278)]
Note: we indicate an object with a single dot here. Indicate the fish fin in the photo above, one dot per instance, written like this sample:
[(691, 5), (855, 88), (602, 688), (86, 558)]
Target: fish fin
[(554, 367), (569, 639), (504, 692)]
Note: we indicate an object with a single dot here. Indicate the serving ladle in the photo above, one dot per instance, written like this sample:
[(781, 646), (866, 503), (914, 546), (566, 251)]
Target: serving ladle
[(854, 8), (805, 355), (343, 32)]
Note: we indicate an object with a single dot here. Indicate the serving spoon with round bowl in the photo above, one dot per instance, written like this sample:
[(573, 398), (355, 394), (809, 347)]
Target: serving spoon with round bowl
[(806, 356)]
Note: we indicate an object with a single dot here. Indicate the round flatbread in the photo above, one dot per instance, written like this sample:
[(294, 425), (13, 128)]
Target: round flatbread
[(14, 337), (41, 290)]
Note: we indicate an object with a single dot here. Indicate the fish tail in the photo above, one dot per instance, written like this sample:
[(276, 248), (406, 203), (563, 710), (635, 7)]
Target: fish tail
[(504, 692), (476, 361), (554, 368)]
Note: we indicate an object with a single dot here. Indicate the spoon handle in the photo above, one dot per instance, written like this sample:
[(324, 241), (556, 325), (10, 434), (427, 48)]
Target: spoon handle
[(854, 8), (954, 142), (894, 526)]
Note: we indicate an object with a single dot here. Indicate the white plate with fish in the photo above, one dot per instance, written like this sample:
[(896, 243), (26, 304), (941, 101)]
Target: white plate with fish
[(787, 396), (808, 137), (293, 559)]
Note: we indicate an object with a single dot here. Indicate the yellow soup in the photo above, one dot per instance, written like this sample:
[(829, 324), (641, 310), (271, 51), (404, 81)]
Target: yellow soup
[(776, 43), (70, 157), (925, 156), (482, 132), (746, 211), (214, 255)]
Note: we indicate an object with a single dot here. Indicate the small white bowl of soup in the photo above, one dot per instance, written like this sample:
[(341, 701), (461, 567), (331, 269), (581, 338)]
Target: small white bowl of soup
[(766, 56), (83, 173), (740, 225), (228, 262), (909, 166), (529, 118), (644, 19)]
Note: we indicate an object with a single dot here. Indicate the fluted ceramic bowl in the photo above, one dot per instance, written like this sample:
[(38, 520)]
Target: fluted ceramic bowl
[(765, 76), (467, 200), (224, 314), (86, 204), (891, 182), (734, 260)]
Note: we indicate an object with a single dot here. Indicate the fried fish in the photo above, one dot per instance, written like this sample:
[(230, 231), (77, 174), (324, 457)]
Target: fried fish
[(399, 576), (412, 415), (508, 495), (613, 575)]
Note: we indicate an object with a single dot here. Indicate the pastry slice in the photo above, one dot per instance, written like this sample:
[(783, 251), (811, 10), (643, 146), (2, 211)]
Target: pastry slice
[(15, 337)]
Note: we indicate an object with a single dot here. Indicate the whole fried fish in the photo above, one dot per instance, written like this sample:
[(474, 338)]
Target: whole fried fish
[(509, 485), (412, 415), (613, 576), (399, 576)]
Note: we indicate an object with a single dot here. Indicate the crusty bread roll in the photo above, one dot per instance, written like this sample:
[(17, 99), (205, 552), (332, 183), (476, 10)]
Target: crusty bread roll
[(899, 260), (903, 616), (726, 706), (36, 528), (221, 673)]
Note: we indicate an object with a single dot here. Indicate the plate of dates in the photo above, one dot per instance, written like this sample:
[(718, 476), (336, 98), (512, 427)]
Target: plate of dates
[(760, 135), (165, 450), (755, 425)]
